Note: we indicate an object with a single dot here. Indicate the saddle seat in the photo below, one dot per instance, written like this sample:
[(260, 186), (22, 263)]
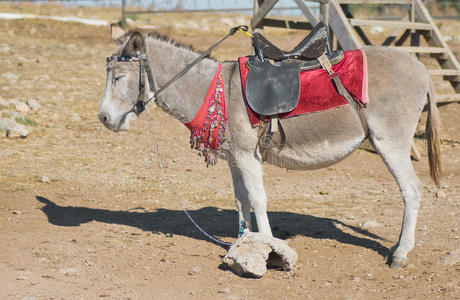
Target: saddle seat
[(335, 57), (311, 47)]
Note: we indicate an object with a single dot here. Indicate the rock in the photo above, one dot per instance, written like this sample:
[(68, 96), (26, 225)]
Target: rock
[(75, 117), (10, 76), (33, 104), (324, 192), (440, 194), (251, 253), (453, 257), (69, 271), (15, 115), (224, 290), (4, 104), (370, 224), (22, 107), (194, 270), (13, 129), (5, 48), (45, 179)]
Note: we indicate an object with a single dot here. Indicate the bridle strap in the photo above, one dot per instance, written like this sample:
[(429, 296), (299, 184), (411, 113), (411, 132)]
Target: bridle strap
[(141, 79), (144, 65), (139, 107)]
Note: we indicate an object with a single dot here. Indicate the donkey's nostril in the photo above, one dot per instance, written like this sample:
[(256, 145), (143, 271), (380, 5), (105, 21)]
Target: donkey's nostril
[(104, 117)]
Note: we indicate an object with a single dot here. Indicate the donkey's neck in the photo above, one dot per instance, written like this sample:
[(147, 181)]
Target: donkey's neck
[(185, 96)]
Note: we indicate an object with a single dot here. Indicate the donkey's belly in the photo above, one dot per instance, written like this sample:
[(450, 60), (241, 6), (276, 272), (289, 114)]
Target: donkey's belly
[(317, 140), (312, 156)]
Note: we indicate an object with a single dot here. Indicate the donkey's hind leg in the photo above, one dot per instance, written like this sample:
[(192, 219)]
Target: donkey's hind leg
[(397, 159), (247, 175)]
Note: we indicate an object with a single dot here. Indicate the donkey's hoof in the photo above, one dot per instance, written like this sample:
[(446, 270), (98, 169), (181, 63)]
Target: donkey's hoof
[(398, 262)]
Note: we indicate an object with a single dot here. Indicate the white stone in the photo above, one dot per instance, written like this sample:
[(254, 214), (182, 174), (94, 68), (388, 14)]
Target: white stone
[(370, 224), (4, 104), (13, 129), (5, 48), (453, 257), (22, 107), (194, 270), (440, 194), (34, 104), (75, 117), (250, 254), (68, 271), (16, 115), (10, 76)]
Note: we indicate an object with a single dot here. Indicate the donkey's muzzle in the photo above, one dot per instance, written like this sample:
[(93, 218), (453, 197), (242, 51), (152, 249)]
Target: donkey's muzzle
[(105, 119)]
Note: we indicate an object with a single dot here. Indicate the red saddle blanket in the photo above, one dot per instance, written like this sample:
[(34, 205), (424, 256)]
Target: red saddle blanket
[(317, 92)]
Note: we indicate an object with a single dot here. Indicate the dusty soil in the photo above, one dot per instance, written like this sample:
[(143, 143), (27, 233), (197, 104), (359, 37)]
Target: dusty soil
[(87, 213)]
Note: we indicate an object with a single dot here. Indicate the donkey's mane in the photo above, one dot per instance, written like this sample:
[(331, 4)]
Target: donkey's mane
[(162, 38), (167, 39)]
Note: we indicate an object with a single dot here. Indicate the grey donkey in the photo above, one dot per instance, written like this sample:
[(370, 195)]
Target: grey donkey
[(398, 87)]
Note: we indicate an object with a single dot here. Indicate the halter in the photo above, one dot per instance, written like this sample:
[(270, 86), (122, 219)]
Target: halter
[(139, 106)]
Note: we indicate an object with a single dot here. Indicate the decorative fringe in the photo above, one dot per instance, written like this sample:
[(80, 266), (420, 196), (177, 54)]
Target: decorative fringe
[(209, 137)]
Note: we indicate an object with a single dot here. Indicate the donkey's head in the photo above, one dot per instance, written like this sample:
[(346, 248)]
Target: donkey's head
[(122, 85)]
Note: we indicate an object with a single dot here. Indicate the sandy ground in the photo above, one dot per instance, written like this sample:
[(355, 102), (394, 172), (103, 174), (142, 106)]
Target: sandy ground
[(86, 213)]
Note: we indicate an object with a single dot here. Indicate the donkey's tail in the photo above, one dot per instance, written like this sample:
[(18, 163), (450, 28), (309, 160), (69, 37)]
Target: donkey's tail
[(433, 136)]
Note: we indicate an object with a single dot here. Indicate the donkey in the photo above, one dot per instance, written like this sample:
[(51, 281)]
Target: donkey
[(398, 87)]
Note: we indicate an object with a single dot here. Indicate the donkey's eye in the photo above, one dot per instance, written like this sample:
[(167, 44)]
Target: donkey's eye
[(119, 77)]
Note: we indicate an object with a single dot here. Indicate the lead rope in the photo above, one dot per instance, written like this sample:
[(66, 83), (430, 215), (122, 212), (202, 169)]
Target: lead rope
[(140, 105), (173, 188)]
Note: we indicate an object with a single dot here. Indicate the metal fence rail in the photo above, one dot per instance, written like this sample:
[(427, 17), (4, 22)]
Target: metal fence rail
[(440, 9)]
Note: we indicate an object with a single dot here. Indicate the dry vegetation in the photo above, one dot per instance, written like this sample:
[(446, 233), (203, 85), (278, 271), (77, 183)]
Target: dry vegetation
[(87, 213)]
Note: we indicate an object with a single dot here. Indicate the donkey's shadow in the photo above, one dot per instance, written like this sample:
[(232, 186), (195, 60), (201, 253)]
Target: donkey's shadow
[(216, 221)]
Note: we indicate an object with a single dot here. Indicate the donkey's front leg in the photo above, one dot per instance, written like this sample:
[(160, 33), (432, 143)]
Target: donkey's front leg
[(248, 183)]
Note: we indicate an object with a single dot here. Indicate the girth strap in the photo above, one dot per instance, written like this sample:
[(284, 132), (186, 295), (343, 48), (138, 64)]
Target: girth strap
[(342, 91)]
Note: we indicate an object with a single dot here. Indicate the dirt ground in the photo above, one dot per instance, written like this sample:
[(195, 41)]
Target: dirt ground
[(86, 213)]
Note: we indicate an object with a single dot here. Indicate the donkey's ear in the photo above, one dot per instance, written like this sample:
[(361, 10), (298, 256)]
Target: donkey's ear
[(118, 35), (134, 44)]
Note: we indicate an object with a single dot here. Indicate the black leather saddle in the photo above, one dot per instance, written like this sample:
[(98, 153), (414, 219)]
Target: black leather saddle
[(274, 88), (312, 46)]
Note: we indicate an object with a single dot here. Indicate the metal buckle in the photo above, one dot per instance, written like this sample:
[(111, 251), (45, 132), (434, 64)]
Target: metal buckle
[(333, 75), (123, 58)]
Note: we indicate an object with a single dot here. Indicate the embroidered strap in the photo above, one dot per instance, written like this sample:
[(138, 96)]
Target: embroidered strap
[(209, 125)]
